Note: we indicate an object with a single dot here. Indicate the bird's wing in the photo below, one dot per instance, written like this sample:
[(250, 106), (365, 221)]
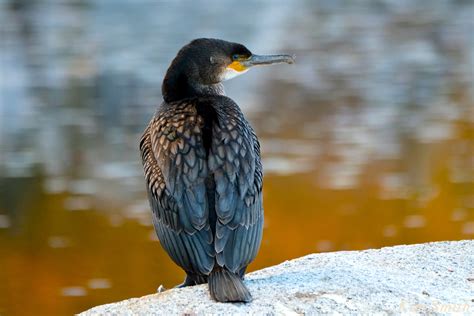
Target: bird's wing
[(175, 166), (235, 161)]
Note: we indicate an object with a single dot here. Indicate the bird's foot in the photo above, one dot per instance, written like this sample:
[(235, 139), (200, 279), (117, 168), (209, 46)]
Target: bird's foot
[(161, 288), (187, 282)]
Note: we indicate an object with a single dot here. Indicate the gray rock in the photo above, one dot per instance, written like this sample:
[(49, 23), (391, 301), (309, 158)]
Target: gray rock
[(426, 278)]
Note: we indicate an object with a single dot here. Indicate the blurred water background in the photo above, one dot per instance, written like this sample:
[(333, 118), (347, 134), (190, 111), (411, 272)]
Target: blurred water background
[(367, 140)]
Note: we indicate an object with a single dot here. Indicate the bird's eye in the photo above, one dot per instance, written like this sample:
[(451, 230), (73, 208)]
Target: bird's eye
[(235, 57)]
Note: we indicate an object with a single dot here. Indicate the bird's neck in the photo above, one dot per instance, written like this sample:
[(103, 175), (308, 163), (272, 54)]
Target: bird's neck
[(177, 87)]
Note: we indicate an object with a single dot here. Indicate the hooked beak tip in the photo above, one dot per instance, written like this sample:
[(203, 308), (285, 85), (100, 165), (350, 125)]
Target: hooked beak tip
[(291, 59)]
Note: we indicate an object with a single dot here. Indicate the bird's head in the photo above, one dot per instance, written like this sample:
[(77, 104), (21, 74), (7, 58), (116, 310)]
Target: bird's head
[(206, 62)]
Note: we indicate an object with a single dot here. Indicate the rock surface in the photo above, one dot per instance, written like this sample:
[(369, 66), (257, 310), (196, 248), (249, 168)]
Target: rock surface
[(425, 278)]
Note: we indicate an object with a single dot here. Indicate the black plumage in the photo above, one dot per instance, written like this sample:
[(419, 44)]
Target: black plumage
[(202, 167)]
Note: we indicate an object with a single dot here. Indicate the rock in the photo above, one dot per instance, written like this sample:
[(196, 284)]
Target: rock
[(424, 278)]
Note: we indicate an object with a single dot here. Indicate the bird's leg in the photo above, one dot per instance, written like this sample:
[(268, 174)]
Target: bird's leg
[(193, 279), (200, 279), (188, 281)]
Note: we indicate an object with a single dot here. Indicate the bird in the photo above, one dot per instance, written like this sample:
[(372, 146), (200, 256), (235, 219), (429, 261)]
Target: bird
[(202, 168)]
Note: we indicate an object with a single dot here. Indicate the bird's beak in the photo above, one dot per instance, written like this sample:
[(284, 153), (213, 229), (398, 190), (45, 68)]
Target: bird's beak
[(256, 60), (237, 68)]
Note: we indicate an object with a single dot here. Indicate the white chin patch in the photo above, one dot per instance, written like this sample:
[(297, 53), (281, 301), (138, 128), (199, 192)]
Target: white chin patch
[(230, 73)]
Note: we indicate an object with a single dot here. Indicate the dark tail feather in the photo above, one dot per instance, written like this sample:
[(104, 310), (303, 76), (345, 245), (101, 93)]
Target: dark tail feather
[(226, 286)]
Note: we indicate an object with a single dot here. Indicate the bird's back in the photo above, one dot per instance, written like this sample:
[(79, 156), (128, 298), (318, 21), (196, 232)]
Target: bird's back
[(204, 177)]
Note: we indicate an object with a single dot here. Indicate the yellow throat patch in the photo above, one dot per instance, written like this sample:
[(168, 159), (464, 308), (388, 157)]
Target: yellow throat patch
[(237, 66), (233, 70)]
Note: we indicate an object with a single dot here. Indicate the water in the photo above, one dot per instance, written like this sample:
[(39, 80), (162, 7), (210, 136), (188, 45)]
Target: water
[(367, 140)]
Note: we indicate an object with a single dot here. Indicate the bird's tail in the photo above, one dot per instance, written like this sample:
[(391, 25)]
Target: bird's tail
[(226, 286)]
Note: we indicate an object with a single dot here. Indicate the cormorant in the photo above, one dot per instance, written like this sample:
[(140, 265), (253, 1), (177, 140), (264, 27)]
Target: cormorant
[(202, 167)]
